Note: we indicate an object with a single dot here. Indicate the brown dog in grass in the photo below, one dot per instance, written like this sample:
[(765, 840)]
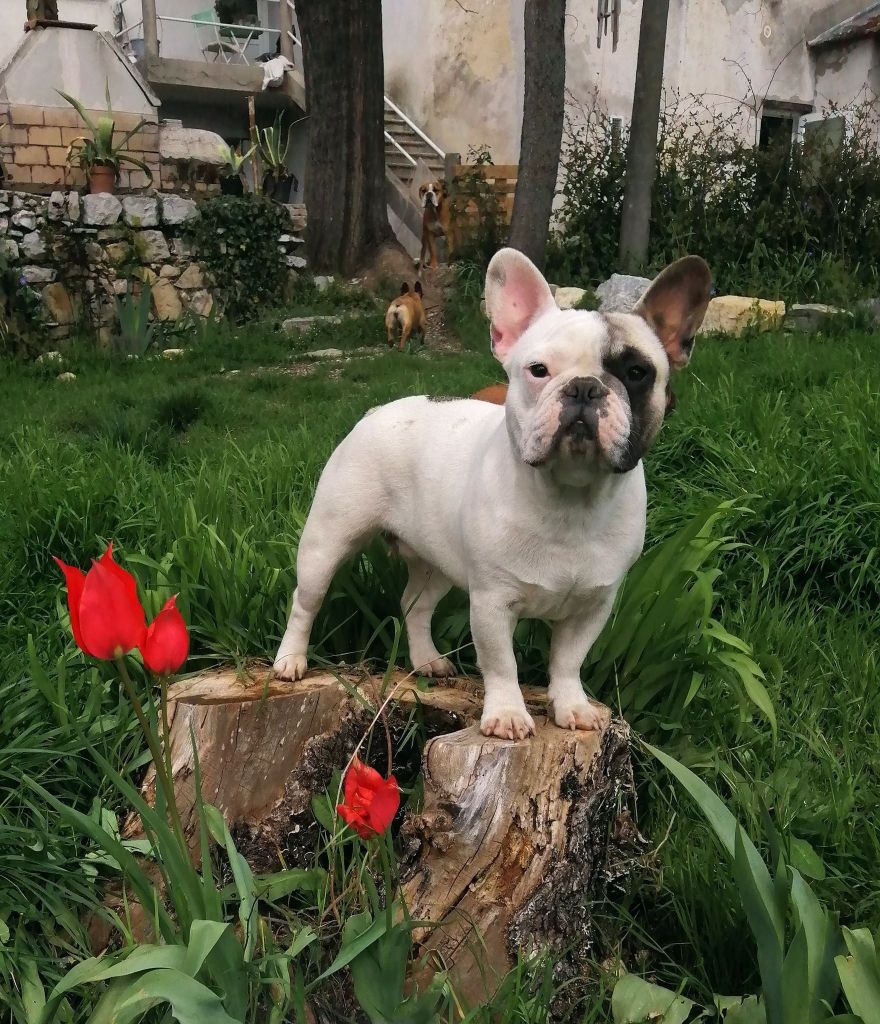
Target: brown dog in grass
[(405, 316)]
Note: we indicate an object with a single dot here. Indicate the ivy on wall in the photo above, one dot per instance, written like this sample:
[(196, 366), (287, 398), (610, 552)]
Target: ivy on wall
[(236, 238)]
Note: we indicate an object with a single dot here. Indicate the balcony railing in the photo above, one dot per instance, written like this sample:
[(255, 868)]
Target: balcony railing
[(202, 37)]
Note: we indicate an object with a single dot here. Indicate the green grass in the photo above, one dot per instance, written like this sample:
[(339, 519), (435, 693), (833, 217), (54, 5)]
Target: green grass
[(203, 477)]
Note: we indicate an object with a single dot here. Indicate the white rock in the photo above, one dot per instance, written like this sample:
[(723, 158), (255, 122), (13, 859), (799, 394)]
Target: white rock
[(141, 211), (621, 292), (151, 246), (732, 314), (49, 357), (568, 298), (37, 275), (177, 210), (9, 248), (33, 246), (66, 377), (57, 206), (202, 303), (25, 220), (74, 207), (172, 353), (321, 283), (193, 144), (298, 263), (102, 209), (191, 278), (325, 353)]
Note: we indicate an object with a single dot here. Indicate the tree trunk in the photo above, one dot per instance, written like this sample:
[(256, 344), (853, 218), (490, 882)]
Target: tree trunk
[(345, 164), (541, 139), (641, 152), (512, 842)]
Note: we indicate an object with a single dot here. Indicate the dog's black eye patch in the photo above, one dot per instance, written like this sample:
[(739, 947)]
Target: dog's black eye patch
[(632, 369)]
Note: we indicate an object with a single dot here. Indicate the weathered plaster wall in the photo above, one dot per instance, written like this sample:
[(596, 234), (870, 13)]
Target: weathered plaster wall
[(846, 74), (77, 62), (457, 69)]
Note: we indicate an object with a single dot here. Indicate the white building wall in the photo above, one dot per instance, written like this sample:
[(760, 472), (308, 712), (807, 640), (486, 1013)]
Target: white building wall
[(457, 69)]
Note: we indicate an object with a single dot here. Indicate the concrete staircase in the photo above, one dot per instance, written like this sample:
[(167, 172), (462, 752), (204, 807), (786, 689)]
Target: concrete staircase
[(407, 153), (405, 138)]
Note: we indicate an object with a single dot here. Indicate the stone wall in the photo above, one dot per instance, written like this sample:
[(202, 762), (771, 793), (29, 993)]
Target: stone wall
[(34, 141), (80, 252)]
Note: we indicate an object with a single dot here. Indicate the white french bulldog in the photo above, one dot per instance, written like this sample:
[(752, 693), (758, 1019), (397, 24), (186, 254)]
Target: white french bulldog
[(536, 509)]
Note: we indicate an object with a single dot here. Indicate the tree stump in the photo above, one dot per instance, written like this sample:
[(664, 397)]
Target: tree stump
[(513, 841)]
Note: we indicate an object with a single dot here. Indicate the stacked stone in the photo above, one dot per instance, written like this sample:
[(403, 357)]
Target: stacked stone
[(79, 253)]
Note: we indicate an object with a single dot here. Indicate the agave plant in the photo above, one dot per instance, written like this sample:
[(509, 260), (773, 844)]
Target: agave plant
[(274, 144), (99, 149)]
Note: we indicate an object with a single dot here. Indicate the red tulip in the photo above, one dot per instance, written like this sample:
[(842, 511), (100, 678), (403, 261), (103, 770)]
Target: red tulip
[(370, 801), (105, 614), (166, 644)]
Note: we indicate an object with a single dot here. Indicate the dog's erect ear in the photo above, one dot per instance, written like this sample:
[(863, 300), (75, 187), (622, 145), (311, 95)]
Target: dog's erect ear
[(419, 288), (404, 288), (516, 295), (675, 304)]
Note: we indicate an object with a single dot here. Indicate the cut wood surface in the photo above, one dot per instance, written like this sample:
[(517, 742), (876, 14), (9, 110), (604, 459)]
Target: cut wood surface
[(513, 839)]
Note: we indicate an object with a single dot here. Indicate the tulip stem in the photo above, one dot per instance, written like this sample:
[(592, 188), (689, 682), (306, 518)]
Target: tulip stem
[(166, 727), (384, 840), (163, 779)]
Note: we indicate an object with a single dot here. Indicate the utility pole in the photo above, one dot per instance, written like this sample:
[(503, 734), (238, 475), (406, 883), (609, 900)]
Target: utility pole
[(641, 152)]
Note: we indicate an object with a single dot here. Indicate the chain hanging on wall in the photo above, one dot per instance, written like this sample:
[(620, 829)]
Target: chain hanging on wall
[(608, 11)]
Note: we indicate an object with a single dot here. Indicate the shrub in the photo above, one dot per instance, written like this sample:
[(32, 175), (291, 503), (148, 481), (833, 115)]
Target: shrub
[(19, 313), (237, 239), (798, 224)]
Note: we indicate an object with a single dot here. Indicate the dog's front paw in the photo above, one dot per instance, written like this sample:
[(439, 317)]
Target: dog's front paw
[(579, 715), (508, 723), (438, 667), (291, 666)]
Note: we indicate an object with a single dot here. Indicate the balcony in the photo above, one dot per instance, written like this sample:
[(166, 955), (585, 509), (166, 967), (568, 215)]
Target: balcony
[(192, 59)]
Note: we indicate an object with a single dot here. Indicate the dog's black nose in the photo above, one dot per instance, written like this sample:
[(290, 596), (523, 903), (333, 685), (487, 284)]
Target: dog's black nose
[(585, 390)]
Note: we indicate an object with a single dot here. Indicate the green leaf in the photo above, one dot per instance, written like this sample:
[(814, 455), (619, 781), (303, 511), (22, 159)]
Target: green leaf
[(860, 975), (33, 995), (805, 859), (635, 1001), (190, 1001), (767, 922), (741, 1010), (359, 934)]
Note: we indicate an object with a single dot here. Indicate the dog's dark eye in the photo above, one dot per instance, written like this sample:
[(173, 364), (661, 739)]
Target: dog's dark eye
[(636, 373), (539, 370)]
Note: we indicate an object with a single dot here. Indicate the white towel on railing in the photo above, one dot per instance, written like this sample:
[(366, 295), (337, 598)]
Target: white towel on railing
[(273, 72)]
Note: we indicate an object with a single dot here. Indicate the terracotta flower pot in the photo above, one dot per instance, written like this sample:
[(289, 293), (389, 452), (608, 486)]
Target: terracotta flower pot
[(102, 178)]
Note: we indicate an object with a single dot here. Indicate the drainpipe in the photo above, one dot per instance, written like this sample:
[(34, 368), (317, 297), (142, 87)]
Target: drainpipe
[(285, 23), (151, 31)]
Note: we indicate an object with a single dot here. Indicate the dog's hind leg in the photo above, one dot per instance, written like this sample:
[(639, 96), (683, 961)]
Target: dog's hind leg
[(405, 332), (424, 590)]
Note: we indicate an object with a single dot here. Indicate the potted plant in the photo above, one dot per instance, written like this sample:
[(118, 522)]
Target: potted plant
[(232, 179), (236, 12), (97, 154), (274, 144)]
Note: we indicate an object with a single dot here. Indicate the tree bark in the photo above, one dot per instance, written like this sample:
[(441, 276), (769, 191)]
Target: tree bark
[(641, 152), (513, 839), (541, 138), (345, 165)]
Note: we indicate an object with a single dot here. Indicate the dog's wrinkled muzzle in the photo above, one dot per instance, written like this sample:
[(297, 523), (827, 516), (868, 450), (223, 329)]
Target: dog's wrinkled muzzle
[(582, 399)]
